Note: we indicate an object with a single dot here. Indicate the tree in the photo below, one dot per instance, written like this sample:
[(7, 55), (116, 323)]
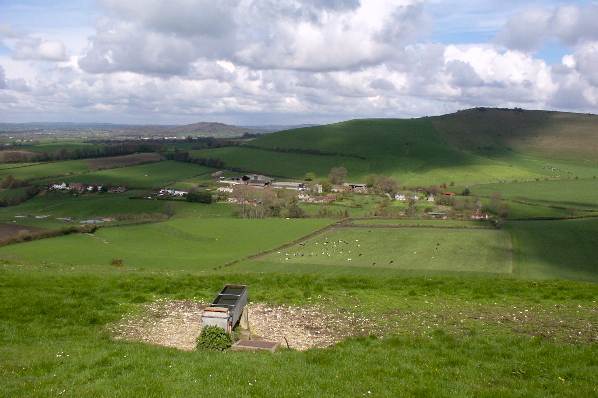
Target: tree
[(337, 175), (387, 185), (199, 197), (293, 210)]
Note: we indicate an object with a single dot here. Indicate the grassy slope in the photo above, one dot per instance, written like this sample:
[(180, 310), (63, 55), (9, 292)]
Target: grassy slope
[(44, 170), (53, 339), (87, 206), (152, 175), (570, 193), (556, 249), (191, 243), (556, 134), (422, 151)]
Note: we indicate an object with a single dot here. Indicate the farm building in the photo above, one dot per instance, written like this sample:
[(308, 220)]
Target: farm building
[(172, 192), (256, 180), (59, 187), (295, 186), (77, 187), (356, 187), (479, 215)]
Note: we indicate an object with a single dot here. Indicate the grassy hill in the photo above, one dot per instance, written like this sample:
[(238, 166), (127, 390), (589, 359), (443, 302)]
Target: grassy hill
[(473, 146), (554, 133)]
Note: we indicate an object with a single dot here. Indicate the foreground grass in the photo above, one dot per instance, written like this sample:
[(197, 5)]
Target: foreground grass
[(54, 340)]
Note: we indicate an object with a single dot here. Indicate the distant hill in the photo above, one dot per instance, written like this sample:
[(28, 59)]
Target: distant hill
[(476, 145), (104, 130)]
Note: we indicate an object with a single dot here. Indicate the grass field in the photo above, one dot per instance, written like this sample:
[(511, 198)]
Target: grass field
[(281, 164), (567, 193), (152, 175), (38, 171), (185, 243), (59, 205), (445, 338), (556, 249), (422, 223), (421, 249)]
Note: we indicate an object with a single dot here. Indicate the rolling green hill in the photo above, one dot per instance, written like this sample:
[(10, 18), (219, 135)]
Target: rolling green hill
[(474, 146)]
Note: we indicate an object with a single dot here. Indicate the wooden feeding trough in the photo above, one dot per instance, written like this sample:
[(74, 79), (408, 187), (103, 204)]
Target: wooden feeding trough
[(226, 309)]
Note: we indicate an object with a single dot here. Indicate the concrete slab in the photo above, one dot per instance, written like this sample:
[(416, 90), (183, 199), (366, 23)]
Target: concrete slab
[(255, 345)]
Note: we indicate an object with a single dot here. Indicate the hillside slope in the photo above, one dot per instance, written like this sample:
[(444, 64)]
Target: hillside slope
[(487, 129), (473, 146)]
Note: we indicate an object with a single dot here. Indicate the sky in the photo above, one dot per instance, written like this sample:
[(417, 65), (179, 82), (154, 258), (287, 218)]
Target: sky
[(257, 62)]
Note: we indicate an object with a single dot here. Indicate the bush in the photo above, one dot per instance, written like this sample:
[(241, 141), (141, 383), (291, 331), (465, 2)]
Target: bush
[(214, 338), (200, 197), (116, 262)]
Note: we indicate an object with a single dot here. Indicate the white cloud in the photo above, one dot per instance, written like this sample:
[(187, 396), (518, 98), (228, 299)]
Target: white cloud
[(289, 61), (34, 48), (166, 38), (571, 24)]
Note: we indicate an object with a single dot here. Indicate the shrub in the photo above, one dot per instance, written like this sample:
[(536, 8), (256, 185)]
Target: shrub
[(116, 262), (200, 197), (214, 338)]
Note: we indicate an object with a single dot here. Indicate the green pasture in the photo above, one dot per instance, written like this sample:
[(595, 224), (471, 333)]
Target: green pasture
[(184, 243), (291, 165), (37, 171), (555, 249), (564, 193), (151, 175), (425, 249), (80, 207), (398, 222)]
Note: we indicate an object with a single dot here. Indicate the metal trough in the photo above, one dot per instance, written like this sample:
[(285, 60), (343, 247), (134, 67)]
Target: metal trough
[(226, 309)]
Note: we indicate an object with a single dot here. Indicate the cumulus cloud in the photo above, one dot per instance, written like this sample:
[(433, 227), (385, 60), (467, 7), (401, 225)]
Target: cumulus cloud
[(295, 61), (34, 48), (571, 24), (167, 37), (3, 83)]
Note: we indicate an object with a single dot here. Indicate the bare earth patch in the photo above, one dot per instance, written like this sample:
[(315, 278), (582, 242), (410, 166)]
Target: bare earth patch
[(167, 323), (178, 324), (123, 161), (8, 231)]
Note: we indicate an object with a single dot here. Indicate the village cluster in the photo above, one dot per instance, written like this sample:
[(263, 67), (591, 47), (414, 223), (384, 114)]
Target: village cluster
[(249, 189), (77, 187)]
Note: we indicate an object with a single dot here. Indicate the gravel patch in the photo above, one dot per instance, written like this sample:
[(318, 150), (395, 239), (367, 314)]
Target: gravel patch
[(178, 324)]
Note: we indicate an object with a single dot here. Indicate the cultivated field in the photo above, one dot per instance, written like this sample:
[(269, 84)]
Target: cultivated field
[(123, 161)]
